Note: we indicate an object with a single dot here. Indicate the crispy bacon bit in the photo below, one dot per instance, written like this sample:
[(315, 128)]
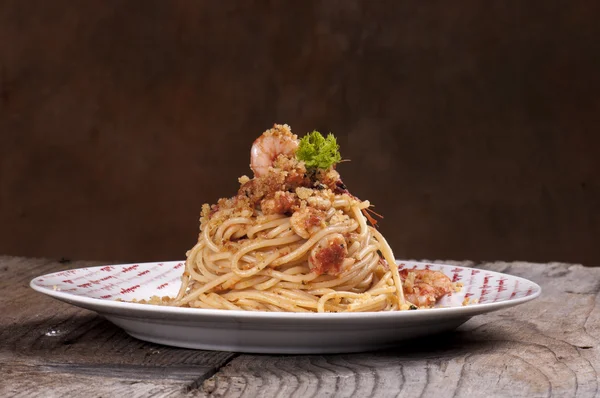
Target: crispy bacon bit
[(258, 188), (314, 219), (328, 255)]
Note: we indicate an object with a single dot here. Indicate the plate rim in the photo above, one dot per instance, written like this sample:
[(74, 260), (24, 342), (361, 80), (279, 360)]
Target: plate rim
[(154, 311)]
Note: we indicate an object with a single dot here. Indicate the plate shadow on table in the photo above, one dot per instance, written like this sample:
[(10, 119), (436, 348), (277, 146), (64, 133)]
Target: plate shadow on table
[(85, 333), (445, 345)]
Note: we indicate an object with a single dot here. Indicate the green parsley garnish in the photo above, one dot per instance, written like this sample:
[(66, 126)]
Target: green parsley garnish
[(317, 151)]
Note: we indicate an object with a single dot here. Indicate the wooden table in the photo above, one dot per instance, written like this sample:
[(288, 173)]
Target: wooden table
[(547, 347)]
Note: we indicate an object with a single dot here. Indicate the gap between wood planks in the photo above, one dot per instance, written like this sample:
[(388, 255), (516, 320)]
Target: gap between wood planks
[(199, 382)]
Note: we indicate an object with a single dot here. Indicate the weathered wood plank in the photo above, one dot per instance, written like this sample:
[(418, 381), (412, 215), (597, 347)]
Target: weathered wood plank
[(51, 348), (547, 347)]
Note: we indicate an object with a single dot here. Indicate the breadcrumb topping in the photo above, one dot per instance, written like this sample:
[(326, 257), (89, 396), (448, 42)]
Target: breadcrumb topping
[(286, 187)]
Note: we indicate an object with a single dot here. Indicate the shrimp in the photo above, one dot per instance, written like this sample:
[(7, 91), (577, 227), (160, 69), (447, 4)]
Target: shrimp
[(274, 142), (424, 287)]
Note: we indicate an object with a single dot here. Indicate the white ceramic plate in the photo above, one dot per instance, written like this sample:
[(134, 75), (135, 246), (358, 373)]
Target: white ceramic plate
[(98, 288)]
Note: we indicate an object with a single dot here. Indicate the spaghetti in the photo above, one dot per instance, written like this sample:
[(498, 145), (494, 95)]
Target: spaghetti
[(292, 239)]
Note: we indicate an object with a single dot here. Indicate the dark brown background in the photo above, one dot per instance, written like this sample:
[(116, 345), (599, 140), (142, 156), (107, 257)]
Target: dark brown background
[(472, 125)]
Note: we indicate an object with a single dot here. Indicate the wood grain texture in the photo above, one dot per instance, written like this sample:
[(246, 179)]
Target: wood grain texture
[(548, 347), (48, 348)]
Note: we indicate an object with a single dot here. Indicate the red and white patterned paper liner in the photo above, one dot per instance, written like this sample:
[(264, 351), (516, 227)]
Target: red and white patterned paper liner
[(142, 281)]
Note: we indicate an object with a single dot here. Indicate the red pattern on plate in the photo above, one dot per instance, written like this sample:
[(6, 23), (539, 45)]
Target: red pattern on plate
[(125, 282)]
